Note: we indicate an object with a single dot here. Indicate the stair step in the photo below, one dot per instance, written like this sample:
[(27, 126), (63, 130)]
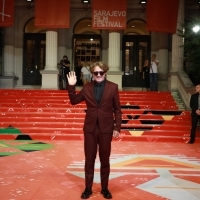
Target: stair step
[(178, 100), (48, 114)]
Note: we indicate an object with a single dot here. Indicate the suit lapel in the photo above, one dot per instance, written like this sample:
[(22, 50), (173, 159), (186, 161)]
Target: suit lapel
[(91, 91)]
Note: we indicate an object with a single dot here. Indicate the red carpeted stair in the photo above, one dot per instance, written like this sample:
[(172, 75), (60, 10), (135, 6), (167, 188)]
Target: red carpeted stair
[(48, 114)]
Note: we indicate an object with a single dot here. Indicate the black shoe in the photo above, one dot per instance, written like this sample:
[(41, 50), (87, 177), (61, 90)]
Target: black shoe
[(86, 193), (106, 193), (190, 142)]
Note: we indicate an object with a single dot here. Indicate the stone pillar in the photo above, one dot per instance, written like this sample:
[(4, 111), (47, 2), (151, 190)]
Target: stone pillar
[(163, 57), (115, 73), (114, 51), (177, 42), (7, 80), (177, 51), (50, 73)]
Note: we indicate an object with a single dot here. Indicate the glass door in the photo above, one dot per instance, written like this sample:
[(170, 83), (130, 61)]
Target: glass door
[(135, 50), (87, 48), (34, 58)]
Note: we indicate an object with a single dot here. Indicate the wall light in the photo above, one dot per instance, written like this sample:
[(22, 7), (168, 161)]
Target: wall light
[(198, 4), (29, 4), (86, 4), (143, 5), (196, 29)]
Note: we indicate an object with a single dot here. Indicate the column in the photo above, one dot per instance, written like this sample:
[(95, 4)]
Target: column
[(50, 73), (177, 42), (163, 57), (114, 51), (115, 73), (177, 52), (7, 80)]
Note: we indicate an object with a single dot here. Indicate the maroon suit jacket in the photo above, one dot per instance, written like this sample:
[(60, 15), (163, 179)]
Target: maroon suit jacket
[(108, 109)]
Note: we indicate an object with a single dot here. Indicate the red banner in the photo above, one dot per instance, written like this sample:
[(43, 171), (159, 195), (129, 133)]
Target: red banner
[(162, 15), (109, 14), (52, 13), (6, 13)]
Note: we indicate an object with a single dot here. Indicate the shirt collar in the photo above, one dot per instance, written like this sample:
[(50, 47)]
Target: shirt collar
[(102, 83)]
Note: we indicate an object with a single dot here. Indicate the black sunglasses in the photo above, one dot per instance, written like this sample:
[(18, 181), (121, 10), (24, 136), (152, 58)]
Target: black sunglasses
[(101, 73)]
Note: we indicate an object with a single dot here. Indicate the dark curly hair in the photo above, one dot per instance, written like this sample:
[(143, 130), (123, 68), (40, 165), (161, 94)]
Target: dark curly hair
[(100, 64)]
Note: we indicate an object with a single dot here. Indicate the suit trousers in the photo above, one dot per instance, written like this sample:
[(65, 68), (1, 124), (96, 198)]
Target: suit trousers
[(195, 119), (93, 142)]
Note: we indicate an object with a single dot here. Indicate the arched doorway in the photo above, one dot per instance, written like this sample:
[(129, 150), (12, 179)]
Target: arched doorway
[(136, 46), (33, 53), (87, 42)]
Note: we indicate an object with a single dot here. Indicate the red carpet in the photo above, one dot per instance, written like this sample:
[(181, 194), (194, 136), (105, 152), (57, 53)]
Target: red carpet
[(41, 148), (139, 170)]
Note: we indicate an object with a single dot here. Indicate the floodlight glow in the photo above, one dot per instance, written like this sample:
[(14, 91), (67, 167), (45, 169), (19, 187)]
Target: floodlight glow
[(196, 28)]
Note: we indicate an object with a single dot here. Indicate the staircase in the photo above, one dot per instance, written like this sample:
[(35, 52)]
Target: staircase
[(178, 100), (48, 115)]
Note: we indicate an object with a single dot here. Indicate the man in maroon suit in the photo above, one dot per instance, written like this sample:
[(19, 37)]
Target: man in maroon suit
[(102, 122)]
